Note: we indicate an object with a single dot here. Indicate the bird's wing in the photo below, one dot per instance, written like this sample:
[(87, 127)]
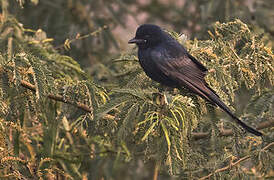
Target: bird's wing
[(200, 65), (175, 49), (187, 73)]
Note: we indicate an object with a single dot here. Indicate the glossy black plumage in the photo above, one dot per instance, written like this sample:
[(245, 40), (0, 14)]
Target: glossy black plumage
[(166, 61)]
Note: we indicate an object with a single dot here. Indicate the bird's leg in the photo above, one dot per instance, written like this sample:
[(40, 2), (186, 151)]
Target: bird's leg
[(162, 100), (167, 95), (164, 96)]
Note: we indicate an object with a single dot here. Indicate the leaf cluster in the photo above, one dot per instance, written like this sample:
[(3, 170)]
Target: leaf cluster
[(34, 78)]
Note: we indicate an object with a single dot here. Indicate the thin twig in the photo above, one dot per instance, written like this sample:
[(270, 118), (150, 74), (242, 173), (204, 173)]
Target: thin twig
[(229, 132), (233, 164), (58, 97), (67, 43), (156, 171)]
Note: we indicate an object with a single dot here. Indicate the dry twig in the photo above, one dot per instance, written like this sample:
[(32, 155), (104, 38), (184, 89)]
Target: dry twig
[(233, 164)]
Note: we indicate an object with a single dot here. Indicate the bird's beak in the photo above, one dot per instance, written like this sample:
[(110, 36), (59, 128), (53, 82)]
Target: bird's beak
[(136, 41)]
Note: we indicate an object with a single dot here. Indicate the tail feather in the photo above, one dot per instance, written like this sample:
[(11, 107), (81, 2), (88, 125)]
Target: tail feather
[(222, 105), (203, 90)]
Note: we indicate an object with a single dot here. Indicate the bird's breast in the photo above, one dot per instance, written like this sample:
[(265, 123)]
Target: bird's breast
[(148, 60)]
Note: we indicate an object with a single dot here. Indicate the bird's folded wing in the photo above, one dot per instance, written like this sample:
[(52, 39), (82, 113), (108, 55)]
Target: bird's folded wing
[(187, 73), (198, 63)]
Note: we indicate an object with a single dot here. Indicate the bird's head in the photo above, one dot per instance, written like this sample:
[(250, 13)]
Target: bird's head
[(147, 35)]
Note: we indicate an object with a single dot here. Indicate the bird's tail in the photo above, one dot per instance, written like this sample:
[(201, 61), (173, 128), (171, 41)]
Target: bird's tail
[(213, 97)]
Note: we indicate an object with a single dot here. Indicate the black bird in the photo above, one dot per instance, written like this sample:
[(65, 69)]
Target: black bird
[(166, 61)]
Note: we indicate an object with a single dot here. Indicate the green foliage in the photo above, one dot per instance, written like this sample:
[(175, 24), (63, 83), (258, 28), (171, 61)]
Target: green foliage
[(236, 57), (56, 123), (41, 129), (66, 20)]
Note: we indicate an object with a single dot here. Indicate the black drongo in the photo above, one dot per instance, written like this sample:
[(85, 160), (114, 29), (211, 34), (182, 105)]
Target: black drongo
[(166, 61)]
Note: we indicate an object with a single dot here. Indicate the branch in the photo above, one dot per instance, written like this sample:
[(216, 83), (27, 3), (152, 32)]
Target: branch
[(57, 97), (196, 136), (67, 43), (156, 171), (228, 132), (233, 164)]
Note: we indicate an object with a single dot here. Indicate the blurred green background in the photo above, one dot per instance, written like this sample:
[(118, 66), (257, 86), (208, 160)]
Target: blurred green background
[(64, 19)]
